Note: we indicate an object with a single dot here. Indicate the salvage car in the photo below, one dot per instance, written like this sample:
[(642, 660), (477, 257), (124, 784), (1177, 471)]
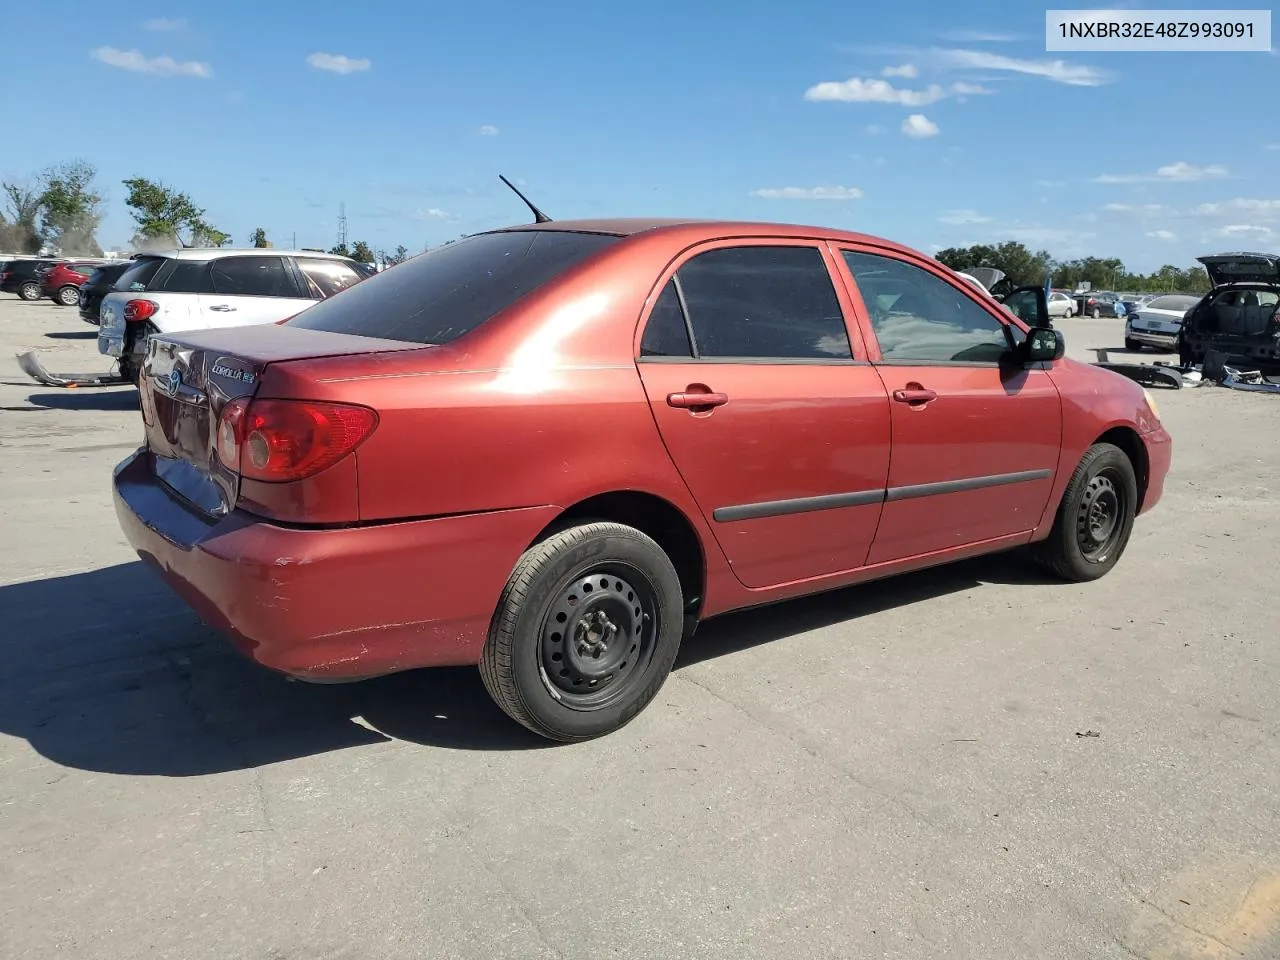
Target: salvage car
[(1237, 317), (1157, 322), (203, 288), (551, 450)]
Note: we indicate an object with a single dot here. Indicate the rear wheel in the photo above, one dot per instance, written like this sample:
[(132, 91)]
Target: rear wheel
[(29, 290), (1070, 313), (1094, 519), (1096, 314), (68, 296), (1133, 345), (585, 633)]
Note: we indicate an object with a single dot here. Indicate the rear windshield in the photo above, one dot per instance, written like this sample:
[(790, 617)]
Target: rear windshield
[(1173, 303), (139, 275), (445, 293)]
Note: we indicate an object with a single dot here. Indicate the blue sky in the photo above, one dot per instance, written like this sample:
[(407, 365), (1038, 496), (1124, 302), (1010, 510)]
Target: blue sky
[(930, 123)]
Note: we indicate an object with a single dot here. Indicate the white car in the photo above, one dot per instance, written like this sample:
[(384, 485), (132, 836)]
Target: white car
[(1061, 305), (198, 289), (1157, 322)]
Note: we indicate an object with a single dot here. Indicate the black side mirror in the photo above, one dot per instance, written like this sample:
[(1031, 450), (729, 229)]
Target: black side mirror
[(1043, 345)]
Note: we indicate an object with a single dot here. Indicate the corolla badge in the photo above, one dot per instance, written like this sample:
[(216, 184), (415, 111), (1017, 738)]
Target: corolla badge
[(229, 368)]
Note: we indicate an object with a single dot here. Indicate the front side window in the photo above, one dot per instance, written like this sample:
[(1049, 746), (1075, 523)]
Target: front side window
[(326, 277), (447, 292), (763, 302), (251, 277), (918, 317)]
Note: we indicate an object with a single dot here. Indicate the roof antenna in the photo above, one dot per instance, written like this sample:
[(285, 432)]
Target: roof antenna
[(538, 215)]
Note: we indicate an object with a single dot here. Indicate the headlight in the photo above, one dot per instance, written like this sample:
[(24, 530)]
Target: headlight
[(1151, 402)]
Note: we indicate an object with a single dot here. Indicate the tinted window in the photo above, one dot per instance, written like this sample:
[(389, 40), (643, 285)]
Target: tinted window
[(440, 295), (665, 335), (251, 277), (918, 316), (139, 275), (183, 276), (1173, 303), (768, 302), (327, 277)]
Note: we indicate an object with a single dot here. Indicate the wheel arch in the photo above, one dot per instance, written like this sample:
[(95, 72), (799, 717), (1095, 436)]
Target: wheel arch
[(1127, 439), (655, 517)]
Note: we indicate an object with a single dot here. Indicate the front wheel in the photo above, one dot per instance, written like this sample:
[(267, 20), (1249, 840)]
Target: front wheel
[(1070, 313), (29, 291), (585, 633), (68, 296), (1094, 519), (1097, 314)]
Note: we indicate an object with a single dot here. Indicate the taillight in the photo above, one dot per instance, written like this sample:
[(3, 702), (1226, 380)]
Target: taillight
[(5, 274), (138, 310), (278, 441)]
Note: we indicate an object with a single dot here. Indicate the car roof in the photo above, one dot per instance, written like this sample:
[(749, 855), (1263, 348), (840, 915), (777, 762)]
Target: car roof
[(216, 253)]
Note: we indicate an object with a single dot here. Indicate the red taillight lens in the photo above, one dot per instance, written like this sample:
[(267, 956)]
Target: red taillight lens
[(278, 441), (137, 310)]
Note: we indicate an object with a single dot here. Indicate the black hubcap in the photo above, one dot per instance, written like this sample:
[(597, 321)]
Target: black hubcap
[(1101, 518), (598, 636)]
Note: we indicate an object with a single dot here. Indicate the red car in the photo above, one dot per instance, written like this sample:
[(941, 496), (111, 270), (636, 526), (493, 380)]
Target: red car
[(551, 450), (62, 283)]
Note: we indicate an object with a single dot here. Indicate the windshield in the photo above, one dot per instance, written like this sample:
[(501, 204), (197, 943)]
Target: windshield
[(445, 293)]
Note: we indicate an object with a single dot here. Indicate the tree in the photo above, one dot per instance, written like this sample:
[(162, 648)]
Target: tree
[(1020, 265), (162, 213), (21, 233), (258, 238), (71, 209), (391, 259), (361, 252), (340, 249)]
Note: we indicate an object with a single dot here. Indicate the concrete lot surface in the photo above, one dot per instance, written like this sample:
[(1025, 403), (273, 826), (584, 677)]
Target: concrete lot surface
[(903, 770)]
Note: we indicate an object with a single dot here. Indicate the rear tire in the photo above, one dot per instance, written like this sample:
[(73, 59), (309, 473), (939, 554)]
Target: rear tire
[(29, 291), (1094, 519), (1133, 345), (1096, 314), (585, 633), (1070, 313)]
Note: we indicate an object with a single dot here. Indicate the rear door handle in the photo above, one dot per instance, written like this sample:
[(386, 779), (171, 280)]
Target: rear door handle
[(915, 395), (221, 308), (695, 401)]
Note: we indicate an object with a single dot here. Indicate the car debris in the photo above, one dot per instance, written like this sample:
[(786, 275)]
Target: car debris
[(33, 368), (1251, 380), (1150, 374)]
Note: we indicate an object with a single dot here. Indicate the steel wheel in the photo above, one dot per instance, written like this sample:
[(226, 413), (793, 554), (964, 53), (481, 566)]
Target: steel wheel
[(1099, 520), (598, 636)]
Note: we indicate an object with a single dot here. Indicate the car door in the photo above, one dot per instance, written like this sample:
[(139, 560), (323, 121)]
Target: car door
[(770, 411), (251, 289), (975, 438)]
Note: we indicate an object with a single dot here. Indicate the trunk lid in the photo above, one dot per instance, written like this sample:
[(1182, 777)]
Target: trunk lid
[(1224, 268), (188, 379)]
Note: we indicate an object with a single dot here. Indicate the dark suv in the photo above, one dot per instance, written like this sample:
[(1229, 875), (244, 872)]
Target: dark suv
[(101, 282), (26, 277)]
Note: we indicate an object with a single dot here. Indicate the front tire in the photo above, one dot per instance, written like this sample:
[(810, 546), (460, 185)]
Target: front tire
[(68, 296), (1094, 519), (29, 291), (1070, 313), (1096, 314), (585, 633)]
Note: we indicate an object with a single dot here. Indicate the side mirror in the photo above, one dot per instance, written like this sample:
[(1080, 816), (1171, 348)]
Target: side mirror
[(1043, 345)]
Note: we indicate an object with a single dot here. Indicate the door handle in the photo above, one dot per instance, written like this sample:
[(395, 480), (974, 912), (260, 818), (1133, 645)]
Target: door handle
[(697, 400), (914, 394), (221, 308)]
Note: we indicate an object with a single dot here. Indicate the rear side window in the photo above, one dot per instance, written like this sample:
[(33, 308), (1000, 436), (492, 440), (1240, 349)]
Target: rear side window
[(666, 335), (765, 303), (139, 275), (324, 278), (183, 276), (251, 277), (445, 293)]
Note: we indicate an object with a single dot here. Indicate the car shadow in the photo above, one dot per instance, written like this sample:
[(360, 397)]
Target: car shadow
[(108, 671), (87, 398), (72, 334)]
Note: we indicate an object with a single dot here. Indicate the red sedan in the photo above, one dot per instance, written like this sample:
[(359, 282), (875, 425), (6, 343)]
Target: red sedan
[(551, 450)]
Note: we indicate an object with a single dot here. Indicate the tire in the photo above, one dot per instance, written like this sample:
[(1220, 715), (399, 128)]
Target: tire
[(543, 678), (1073, 550), (29, 290), (1096, 314), (1133, 345), (1070, 313), (67, 296)]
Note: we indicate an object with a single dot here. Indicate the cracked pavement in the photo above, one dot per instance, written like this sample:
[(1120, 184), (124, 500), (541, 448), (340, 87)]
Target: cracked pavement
[(891, 771)]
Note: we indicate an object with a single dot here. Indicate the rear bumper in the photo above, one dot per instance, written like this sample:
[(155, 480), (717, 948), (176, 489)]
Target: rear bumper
[(1152, 338), (1159, 446), (334, 604)]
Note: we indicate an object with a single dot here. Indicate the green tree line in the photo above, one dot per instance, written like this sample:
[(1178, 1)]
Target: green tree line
[(1024, 268)]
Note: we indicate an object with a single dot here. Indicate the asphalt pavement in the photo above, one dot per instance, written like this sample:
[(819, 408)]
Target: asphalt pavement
[(970, 762)]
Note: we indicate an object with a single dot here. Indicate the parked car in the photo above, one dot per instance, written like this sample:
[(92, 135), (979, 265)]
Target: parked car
[(100, 283), (551, 450), (1157, 323), (197, 289), (1099, 304), (1238, 316), (1061, 305), (61, 283), (26, 277)]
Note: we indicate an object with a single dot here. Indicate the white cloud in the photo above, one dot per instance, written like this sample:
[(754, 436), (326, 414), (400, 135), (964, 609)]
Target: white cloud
[(1180, 171), (875, 130), (962, 89), (1059, 71), (1272, 146), (857, 90), (163, 66), (337, 63), (963, 216), (1145, 209), (919, 126), (979, 36), (807, 193), (907, 71), (1260, 208), (432, 213), (1167, 235), (1249, 231), (488, 130), (1051, 183), (164, 25)]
